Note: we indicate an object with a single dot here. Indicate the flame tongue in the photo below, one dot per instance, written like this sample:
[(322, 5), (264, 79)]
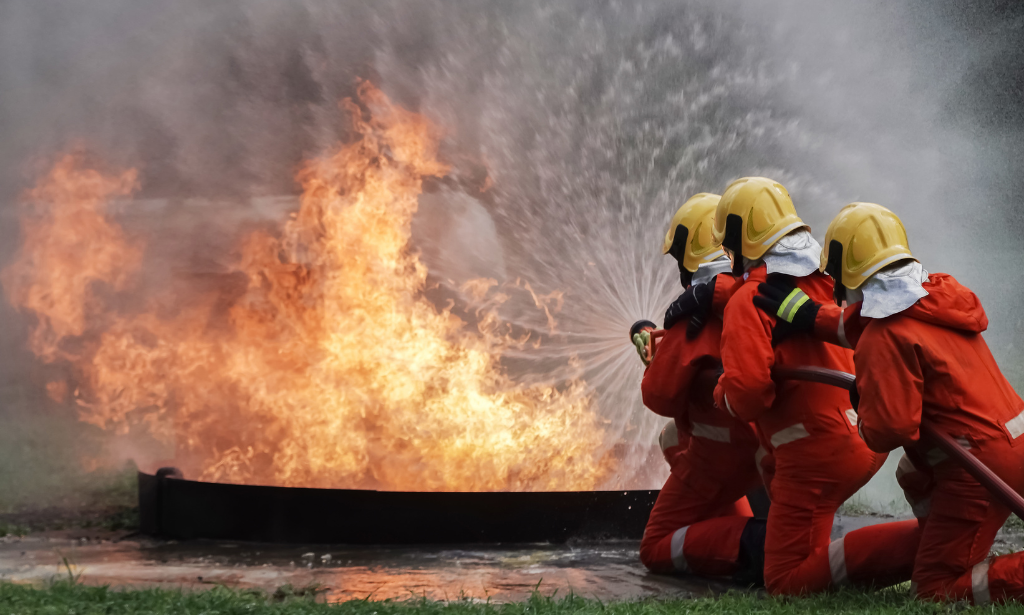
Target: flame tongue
[(333, 370)]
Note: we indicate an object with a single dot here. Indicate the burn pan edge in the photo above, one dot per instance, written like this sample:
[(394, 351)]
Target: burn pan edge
[(172, 507)]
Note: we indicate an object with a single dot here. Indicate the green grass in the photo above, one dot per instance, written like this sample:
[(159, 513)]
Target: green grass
[(67, 597)]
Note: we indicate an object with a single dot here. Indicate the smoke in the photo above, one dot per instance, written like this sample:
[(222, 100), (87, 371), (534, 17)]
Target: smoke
[(575, 129)]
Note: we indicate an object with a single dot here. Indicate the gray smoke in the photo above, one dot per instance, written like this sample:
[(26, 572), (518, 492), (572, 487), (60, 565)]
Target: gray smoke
[(592, 120)]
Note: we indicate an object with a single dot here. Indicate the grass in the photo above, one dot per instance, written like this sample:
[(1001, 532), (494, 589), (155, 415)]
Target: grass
[(66, 596)]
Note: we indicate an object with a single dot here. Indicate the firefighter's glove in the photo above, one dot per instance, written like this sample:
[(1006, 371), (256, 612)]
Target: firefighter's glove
[(793, 310), (695, 304), (642, 341)]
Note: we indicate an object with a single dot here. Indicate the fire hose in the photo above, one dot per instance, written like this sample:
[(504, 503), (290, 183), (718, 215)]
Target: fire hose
[(988, 479)]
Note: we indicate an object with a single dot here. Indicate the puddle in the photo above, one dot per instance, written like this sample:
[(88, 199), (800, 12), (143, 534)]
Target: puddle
[(609, 570), (606, 570)]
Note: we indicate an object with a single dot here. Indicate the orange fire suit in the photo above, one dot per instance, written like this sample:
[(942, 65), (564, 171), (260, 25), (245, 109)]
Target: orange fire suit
[(701, 512), (820, 462), (930, 362)]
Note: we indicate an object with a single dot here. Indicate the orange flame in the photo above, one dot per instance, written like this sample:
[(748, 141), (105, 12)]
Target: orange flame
[(329, 369)]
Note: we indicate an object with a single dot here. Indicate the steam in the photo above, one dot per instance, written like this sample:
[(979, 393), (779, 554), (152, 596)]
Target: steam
[(575, 130)]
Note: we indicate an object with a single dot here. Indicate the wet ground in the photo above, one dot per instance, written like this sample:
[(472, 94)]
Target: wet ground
[(606, 570)]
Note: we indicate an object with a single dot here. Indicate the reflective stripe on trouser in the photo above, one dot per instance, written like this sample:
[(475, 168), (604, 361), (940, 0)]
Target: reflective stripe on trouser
[(708, 548), (799, 558), (953, 561), (874, 556), (693, 493)]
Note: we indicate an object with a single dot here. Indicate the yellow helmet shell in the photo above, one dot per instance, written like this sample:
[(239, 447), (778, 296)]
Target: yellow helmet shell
[(871, 236), (697, 216), (766, 210)]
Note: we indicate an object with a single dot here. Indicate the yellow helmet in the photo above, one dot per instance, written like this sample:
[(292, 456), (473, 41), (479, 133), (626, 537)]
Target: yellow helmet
[(689, 232), (860, 241), (754, 213)]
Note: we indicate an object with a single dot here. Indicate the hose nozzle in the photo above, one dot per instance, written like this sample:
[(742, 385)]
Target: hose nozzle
[(639, 326)]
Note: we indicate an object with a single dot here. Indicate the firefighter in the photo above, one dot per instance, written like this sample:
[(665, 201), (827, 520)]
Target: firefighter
[(810, 430), (920, 356), (701, 523)]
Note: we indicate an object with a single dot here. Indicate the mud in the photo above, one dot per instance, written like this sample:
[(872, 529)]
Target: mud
[(500, 573)]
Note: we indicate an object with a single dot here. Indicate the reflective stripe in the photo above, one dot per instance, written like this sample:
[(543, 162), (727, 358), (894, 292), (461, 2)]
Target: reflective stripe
[(1016, 426), (758, 456), (678, 557), (785, 231), (873, 270), (841, 333), (791, 304), (728, 406), (979, 583), (837, 561), (710, 432), (669, 436), (851, 415), (789, 434), (936, 456), (913, 588)]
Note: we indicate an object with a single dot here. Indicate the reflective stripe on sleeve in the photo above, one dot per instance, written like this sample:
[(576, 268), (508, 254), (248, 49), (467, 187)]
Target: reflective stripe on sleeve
[(669, 436), (1016, 426), (728, 406), (789, 434), (979, 583), (837, 561), (710, 432), (841, 333), (678, 557)]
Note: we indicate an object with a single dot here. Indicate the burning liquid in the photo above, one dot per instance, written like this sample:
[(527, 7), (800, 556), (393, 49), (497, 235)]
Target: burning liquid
[(317, 362)]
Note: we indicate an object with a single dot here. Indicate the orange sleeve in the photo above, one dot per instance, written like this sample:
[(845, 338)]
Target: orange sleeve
[(746, 389), (839, 326), (891, 385), (670, 376), (725, 287)]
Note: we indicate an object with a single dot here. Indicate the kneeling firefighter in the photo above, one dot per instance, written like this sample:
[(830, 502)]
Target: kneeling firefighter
[(809, 429), (920, 356), (701, 523)]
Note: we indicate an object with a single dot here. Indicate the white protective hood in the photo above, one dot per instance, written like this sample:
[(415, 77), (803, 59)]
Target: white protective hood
[(890, 291), (796, 254), (707, 271)]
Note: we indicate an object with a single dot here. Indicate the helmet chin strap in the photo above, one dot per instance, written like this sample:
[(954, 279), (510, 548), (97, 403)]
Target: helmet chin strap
[(834, 268), (733, 241), (685, 276)]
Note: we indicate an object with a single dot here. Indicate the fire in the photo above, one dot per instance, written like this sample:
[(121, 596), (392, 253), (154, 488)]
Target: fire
[(328, 367)]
